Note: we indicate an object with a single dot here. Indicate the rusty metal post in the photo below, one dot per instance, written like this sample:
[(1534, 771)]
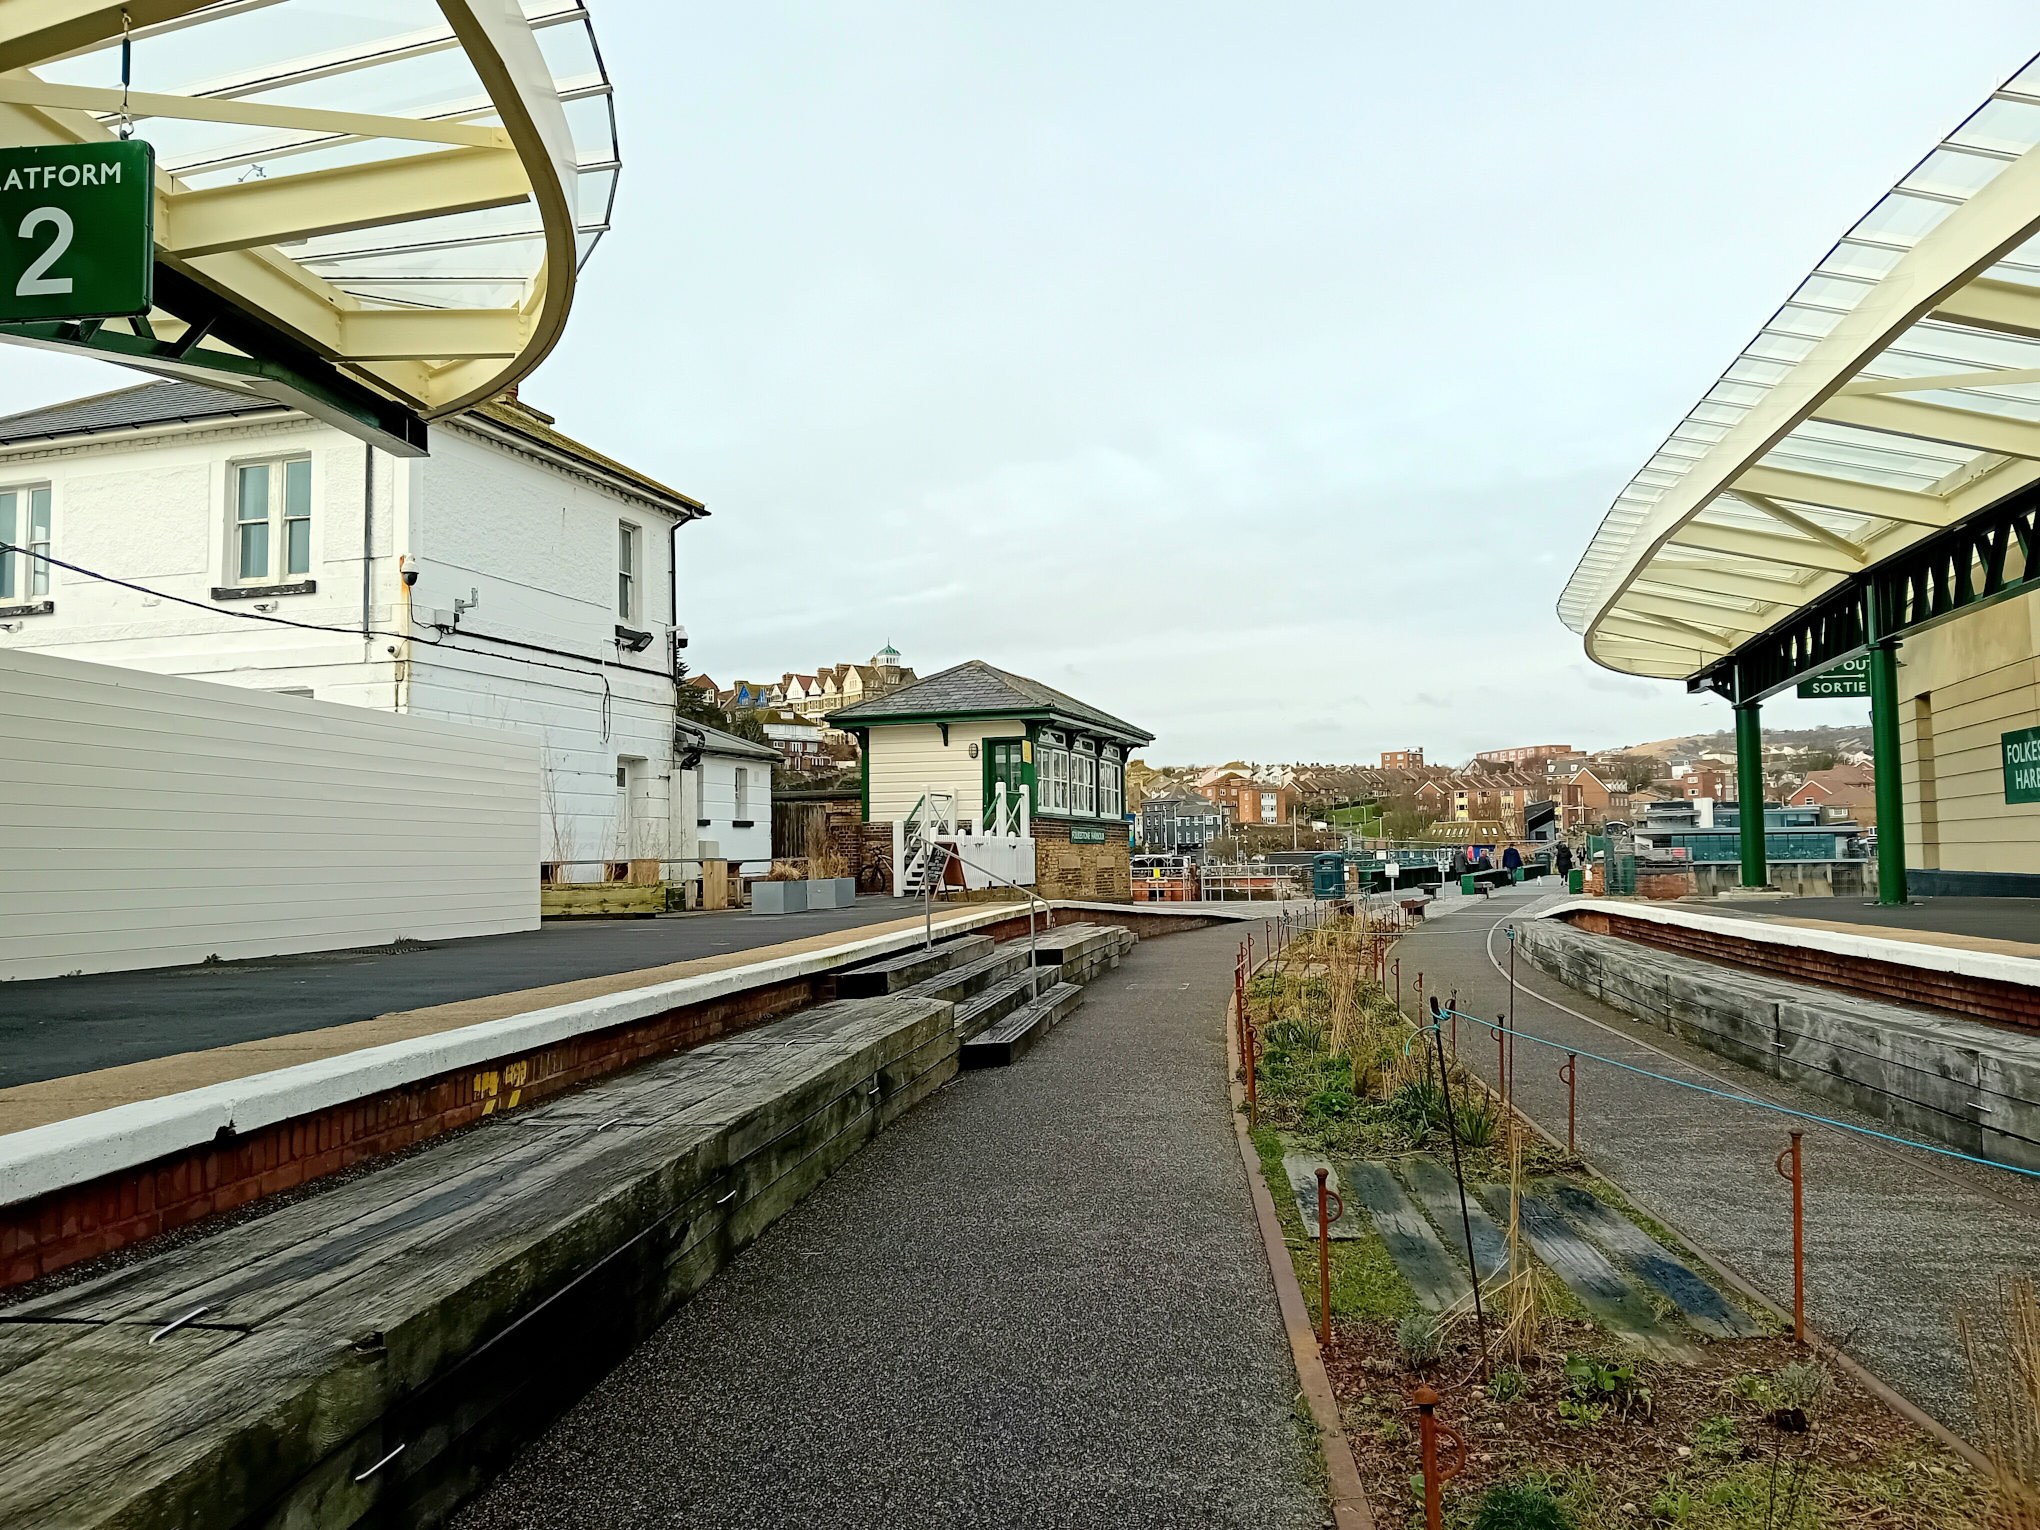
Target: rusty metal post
[(1247, 1055), (1436, 1473), (1501, 1063), (1324, 1256), (1792, 1175), (1398, 985), (1570, 1073)]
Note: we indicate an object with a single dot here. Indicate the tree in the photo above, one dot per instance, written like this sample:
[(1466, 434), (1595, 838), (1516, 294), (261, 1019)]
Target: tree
[(744, 724), (1635, 770), (693, 703), (1818, 759)]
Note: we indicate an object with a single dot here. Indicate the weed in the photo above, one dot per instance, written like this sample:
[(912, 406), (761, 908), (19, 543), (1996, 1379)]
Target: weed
[(1419, 1338), (1716, 1436), (1478, 1120), (1521, 1506), (1673, 1505), (1594, 1387), (1508, 1385)]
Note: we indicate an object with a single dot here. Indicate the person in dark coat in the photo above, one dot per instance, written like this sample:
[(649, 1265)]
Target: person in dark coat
[(1512, 858), (1561, 859)]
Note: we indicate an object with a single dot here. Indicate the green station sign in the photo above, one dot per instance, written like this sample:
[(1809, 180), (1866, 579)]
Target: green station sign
[(1081, 836), (1851, 677), (77, 231), (2022, 765)]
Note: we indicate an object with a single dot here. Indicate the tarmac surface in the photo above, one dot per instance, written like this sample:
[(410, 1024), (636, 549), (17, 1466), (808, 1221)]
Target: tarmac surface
[(1896, 1238), (55, 1027), (1040, 1300), (2010, 919)]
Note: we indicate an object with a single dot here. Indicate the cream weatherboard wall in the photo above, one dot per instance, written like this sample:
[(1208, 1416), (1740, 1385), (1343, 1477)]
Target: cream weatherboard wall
[(156, 821), (1962, 686), (907, 758)]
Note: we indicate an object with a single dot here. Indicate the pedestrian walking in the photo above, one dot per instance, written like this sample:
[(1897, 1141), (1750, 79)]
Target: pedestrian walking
[(1512, 859), (1561, 858)]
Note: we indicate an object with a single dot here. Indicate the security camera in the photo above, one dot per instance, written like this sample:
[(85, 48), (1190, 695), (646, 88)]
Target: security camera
[(410, 576)]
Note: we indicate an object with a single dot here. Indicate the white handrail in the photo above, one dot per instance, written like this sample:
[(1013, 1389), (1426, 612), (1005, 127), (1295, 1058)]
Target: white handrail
[(1047, 913)]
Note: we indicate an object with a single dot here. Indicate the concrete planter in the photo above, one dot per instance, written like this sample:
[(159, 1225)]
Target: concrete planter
[(832, 892), (779, 897)]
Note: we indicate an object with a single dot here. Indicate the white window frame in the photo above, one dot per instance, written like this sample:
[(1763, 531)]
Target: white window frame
[(1051, 773), (277, 519), (629, 555), (22, 506), (741, 794), (1111, 794), (1084, 779)]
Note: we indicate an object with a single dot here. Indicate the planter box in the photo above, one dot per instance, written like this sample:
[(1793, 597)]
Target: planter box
[(832, 892), (779, 897)]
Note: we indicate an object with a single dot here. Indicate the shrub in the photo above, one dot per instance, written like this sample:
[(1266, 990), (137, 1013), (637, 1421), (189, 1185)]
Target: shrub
[(1418, 1337), (1799, 1384), (1507, 1385), (1520, 1506), (1417, 1106)]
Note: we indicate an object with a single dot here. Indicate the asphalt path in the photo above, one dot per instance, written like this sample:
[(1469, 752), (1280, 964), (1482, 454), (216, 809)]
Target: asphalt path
[(1896, 1238), (1040, 1300), (55, 1027), (2015, 919)]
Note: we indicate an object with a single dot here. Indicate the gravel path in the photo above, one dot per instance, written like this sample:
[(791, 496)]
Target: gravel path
[(1895, 1238), (1039, 1301)]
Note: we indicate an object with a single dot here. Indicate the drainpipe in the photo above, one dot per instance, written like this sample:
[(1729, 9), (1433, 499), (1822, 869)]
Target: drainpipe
[(1749, 788), (1891, 888), (367, 531)]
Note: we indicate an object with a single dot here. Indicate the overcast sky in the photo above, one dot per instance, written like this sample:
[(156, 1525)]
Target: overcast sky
[(1257, 373)]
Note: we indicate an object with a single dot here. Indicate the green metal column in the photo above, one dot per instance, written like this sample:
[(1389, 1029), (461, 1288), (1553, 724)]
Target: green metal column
[(1749, 793), (1890, 774)]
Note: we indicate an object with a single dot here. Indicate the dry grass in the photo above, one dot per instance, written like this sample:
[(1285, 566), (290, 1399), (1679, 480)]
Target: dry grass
[(2002, 1346)]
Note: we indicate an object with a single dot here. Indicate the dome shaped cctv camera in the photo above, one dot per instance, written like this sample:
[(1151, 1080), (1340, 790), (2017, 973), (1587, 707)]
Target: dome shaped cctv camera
[(410, 576)]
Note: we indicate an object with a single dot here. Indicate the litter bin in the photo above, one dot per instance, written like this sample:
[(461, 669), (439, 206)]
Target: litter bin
[(1328, 876), (1515, 873), (1469, 884), (1575, 881)]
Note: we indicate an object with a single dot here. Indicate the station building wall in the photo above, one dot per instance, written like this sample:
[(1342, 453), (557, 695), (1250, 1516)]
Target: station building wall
[(1962, 686)]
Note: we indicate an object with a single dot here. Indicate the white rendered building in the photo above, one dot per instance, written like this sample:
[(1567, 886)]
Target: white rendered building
[(512, 578)]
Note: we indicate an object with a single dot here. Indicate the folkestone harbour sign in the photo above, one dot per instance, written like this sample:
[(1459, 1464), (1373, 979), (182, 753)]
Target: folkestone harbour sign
[(2022, 765)]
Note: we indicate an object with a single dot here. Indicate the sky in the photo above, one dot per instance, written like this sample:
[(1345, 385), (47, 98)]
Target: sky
[(1257, 373)]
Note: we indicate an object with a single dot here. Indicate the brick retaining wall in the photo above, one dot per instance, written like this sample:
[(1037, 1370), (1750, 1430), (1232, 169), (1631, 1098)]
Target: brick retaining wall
[(2011, 1003)]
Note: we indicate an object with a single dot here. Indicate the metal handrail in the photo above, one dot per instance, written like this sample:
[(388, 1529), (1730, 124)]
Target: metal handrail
[(1047, 913)]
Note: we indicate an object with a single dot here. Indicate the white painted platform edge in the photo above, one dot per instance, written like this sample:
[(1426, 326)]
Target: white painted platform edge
[(84, 1148), (1990, 965)]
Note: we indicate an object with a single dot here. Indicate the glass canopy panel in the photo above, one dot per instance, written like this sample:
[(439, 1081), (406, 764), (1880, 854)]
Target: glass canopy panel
[(395, 58)]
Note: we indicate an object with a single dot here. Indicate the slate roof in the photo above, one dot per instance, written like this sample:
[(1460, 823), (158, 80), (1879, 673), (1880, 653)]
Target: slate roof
[(186, 403), (975, 689), (136, 408), (715, 741)]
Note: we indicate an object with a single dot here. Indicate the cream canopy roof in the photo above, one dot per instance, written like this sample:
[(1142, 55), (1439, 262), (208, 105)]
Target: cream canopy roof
[(1896, 392), (407, 189)]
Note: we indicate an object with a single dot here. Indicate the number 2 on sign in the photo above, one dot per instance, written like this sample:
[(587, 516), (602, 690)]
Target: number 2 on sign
[(34, 282)]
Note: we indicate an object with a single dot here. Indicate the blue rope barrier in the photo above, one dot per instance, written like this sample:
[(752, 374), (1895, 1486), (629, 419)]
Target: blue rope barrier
[(1745, 1099)]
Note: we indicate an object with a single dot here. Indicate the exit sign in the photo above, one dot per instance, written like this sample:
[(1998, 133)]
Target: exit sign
[(77, 231), (1851, 677)]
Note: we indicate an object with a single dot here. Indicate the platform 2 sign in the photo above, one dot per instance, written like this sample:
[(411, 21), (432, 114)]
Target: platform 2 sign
[(1851, 677), (77, 231), (2022, 765)]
